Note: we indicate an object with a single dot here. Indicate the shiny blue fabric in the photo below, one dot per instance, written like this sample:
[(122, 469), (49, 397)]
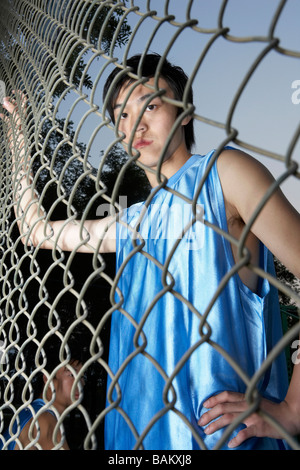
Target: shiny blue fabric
[(244, 324), (23, 418)]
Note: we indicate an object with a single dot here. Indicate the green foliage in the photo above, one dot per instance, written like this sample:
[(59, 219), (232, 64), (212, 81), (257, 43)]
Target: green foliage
[(59, 161), (134, 184), (104, 29), (287, 278)]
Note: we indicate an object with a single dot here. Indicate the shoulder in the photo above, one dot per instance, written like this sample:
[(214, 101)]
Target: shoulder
[(45, 424), (244, 180), (45, 421), (233, 161), (47, 418)]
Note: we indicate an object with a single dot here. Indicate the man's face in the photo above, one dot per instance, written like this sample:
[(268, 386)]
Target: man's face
[(63, 383), (154, 125)]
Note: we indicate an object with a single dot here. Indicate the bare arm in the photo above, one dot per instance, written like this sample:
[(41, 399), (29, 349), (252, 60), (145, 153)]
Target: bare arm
[(244, 182), (32, 219), (48, 435)]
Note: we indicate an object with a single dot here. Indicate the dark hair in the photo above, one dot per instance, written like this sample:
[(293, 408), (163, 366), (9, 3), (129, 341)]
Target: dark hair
[(76, 350), (173, 75)]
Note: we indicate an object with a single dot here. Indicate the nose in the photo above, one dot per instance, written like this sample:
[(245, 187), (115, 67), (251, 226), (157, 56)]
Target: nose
[(134, 124), (141, 127)]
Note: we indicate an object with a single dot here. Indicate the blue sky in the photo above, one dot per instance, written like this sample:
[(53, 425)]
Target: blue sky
[(265, 116)]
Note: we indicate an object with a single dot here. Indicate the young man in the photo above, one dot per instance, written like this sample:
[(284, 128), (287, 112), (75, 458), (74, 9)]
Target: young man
[(35, 427), (171, 335)]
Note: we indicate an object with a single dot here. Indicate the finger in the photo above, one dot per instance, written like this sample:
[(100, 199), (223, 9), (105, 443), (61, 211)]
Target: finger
[(222, 409), (220, 423), (22, 97), (223, 397), (242, 436), (8, 105), (4, 118), (12, 108)]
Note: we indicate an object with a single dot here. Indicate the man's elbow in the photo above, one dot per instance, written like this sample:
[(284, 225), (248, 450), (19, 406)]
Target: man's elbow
[(34, 237)]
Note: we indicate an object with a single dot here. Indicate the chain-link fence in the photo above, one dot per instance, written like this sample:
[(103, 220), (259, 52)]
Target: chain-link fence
[(58, 305)]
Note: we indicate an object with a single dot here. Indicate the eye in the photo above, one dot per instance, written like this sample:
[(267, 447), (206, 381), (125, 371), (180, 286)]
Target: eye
[(124, 115), (151, 107)]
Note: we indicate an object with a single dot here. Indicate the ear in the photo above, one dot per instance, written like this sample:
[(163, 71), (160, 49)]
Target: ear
[(186, 120)]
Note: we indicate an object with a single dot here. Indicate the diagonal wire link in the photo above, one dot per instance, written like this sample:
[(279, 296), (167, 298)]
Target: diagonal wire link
[(58, 54)]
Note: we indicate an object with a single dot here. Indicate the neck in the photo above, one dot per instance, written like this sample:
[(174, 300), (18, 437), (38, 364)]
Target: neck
[(58, 406), (168, 168)]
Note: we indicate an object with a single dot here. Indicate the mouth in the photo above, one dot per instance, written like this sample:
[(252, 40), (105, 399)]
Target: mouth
[(142, 143)]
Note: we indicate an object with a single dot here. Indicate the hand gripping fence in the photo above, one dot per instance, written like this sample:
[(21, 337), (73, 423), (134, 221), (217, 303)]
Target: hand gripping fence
[(55, 57)]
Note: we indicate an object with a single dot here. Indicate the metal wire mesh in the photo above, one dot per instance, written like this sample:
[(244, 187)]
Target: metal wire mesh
[(59, 53)]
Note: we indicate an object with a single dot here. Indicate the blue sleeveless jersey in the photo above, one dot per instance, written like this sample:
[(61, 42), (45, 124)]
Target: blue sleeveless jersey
[(21, 420), (171, 334)]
